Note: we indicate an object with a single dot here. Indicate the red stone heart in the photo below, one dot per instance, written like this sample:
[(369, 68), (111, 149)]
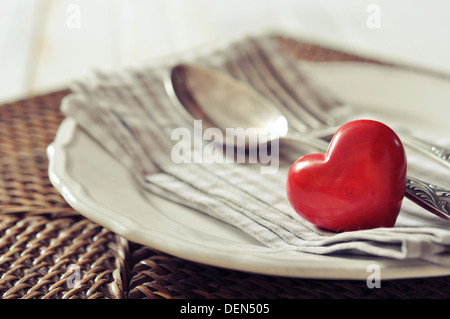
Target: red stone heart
[(358, 184)]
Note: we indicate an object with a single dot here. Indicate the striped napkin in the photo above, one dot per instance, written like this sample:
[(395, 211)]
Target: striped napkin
[(132, 116)]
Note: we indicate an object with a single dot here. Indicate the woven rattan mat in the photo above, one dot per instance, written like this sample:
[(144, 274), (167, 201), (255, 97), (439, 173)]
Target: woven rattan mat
[(42, 238)]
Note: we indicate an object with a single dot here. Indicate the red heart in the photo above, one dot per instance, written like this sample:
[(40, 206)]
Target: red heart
[(358, 184)]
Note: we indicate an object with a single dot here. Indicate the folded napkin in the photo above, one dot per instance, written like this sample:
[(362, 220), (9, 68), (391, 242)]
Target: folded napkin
[(131, 115)]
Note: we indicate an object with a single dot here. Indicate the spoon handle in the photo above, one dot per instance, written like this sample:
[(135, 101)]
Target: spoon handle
[(314, 142), (439, 153)]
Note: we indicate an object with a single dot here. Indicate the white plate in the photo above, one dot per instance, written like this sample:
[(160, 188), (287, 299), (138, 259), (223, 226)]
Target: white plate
[(97, 186)]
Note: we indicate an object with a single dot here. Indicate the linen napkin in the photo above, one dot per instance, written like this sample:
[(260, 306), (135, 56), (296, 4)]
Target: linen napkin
[(132, 116)]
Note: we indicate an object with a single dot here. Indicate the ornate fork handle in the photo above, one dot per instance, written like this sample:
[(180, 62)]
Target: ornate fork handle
[(433, 198)]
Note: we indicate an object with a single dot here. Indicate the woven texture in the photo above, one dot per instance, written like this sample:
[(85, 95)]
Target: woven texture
[(44, 242)]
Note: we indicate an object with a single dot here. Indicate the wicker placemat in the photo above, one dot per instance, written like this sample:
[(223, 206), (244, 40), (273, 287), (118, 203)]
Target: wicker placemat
[(45, 244)]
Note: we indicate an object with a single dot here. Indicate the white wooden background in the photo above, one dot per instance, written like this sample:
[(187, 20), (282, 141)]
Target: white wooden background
[(46, 43)]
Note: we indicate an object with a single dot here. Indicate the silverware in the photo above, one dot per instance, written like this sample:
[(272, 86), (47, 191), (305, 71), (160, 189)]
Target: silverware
[(202, 93), (306, 105), (433, 198), (223, 102)]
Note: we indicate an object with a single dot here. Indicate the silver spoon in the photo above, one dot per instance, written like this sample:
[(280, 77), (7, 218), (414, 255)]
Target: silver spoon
[(222, 102)]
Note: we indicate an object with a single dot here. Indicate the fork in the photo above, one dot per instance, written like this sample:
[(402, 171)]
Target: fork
[(310, 112), (307, 109)]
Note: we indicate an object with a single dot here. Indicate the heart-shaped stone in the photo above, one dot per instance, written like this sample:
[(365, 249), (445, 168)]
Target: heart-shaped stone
[(358, 184)]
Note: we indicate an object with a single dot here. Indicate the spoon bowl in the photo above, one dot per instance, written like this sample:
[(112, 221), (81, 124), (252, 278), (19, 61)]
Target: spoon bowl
[(228, 104)]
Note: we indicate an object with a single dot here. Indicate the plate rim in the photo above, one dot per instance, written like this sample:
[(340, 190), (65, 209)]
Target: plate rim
[(78, 199)]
